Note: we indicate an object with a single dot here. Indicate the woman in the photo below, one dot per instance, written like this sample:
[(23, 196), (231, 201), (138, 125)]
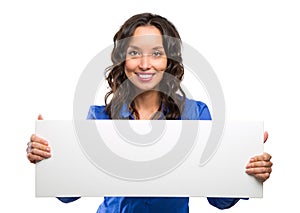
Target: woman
[(144, 83)]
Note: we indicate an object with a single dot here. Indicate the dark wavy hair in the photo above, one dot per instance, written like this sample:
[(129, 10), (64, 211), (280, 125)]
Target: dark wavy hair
[(122, 90)]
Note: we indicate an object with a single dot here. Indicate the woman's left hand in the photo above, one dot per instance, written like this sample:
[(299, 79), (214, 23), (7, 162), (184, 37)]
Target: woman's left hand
[(260, 166)]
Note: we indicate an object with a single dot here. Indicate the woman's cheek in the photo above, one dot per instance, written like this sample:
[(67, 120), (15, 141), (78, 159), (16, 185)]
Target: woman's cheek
[(160, 65), (129, 67)]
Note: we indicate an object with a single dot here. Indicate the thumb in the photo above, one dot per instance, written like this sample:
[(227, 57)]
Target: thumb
[(266, 135), (40, 117)]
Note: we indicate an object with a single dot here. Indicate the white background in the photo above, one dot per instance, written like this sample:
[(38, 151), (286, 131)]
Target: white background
[(253, 46)]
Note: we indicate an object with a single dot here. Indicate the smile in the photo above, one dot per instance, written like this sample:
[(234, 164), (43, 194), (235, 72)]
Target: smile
[(145, 76)]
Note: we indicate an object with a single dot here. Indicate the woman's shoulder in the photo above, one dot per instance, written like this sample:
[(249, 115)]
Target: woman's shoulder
[(195, 110), (97, 112)]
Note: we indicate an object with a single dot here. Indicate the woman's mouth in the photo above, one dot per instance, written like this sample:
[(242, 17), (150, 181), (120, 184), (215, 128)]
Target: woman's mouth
[(145, 76)]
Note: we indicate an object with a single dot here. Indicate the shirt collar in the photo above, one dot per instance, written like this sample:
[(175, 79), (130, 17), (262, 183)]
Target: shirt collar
[(126, 114)]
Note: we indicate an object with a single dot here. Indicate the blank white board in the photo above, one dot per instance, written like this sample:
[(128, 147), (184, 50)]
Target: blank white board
[(147, 158)]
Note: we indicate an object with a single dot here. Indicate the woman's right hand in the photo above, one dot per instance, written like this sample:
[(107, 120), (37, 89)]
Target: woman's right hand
[(37, 148)]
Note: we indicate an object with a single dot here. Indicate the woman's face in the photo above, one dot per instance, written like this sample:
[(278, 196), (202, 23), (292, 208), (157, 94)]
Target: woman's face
[(146, 60)]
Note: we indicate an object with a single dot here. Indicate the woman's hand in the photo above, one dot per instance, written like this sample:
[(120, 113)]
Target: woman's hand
[(260, 166), (38, 148)]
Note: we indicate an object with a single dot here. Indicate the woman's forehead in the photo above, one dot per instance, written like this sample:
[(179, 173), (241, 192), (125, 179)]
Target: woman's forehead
[(146, 42), (146, 37), (146, 30)]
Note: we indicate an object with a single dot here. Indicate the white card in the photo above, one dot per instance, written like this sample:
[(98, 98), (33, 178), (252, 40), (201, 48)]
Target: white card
[(147, 158)]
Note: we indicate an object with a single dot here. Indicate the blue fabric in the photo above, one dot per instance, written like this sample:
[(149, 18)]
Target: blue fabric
[(193, 110), (68, 199)]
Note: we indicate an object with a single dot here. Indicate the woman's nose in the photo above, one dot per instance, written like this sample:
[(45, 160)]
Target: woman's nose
[(145, 62)]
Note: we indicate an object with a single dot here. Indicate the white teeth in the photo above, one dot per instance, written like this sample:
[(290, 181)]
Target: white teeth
[(145, 76)]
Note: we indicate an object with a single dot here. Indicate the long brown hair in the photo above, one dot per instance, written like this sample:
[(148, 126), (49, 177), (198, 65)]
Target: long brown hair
[(121, 89)]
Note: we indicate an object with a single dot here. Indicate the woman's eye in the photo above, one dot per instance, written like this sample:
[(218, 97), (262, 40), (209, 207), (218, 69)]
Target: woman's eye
[(157, 53), (134, 53)]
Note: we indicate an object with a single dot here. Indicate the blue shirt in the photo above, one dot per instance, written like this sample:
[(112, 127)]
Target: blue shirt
[(193, 110)]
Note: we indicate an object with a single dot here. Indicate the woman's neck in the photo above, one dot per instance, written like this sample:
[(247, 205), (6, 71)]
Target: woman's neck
[(147, 104)]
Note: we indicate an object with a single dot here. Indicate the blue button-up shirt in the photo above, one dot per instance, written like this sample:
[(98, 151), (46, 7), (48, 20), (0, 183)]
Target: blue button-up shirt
[(193, 110)]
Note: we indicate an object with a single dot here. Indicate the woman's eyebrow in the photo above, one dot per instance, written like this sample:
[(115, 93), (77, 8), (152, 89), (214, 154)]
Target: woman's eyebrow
[(134, 47), (138, 48), (158, 47)]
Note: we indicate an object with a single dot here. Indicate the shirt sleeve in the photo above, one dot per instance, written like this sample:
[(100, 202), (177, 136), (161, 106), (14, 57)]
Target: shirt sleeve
[(222, 203), (97, 112), (204, 113), (67, 199), (195, 110)]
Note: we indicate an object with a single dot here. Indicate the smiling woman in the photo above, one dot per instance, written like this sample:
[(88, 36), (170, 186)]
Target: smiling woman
[(146, 61), (144, 82)]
